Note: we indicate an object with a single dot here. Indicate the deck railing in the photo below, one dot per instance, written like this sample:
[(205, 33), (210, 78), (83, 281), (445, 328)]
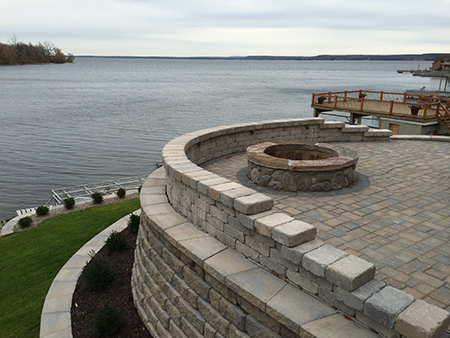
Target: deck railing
[(383, 102)]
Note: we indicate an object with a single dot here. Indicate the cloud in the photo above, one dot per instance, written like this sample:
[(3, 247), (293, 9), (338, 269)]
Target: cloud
[(232, 27)]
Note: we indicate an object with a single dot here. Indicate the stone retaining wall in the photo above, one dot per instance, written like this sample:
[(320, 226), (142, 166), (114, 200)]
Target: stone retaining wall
[(209, 215)]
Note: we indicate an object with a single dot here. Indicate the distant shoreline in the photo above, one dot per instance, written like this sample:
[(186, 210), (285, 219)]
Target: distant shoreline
[(354, 57)]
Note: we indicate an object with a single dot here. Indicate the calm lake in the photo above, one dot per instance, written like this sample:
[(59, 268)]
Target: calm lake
[(105, 118)]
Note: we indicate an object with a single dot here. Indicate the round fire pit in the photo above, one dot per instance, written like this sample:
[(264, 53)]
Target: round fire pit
[(295, 166)]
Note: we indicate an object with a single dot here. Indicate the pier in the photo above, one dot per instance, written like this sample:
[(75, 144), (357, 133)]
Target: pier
[(387, 105)]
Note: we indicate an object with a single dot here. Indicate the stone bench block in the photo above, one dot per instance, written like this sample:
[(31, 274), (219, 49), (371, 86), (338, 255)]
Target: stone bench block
[(200, 248), (422, 320), (253, 204), (332, 125), (226, 263), (349, 128), (148, 199), (256, 286), (311, 121), (336, 326), (385, 305), (227, 197), (350, 272), (203, 185), (293, 308), (357, 298), (215, 191), (265, 225), (318, 260), (378, 133), (294, 233), (296, 253)]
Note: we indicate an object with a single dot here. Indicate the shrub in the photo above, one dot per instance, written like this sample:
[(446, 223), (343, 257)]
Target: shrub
[(25, 221), (97, 274), (97, 198), (116, 242), (121, 193), (69, 203), (133, 224), (41, 211), (107, 321)]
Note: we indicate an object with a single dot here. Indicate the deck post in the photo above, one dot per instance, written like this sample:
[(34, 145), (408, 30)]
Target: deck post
[(381, 96), (362, 104), (391, 107)]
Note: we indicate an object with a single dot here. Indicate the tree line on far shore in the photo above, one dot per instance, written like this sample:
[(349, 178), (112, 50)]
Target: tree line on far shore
[(19, 53)]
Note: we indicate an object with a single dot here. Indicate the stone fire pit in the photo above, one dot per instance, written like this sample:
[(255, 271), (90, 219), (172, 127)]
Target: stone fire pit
[(295, 166)]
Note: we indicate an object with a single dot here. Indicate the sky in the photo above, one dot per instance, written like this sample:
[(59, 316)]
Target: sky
[(230, 27)]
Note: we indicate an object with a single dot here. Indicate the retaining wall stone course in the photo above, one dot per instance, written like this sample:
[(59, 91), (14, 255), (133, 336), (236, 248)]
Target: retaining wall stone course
[(189, 267)]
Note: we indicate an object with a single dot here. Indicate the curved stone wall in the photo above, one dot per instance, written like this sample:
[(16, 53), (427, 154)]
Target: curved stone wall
[(214, 260)]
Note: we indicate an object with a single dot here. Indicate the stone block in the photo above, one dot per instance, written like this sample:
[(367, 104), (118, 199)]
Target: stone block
[(213, 317), (422, 320), (226, 263), (295, 254), (189, 330), (182, 232), (193, 316), (265, 224), (228, 197), (318, 260), (201, 248), (357, 298), (233, 314), (294, 233), (196, 283), (293, 308), (259, 315), (304, 282), (335, 326), (350, 272), (175, 330), (382, 330), (204, 185), (248, 221), (257, 330), (354, 128), (385, 305), (257, 293), (253, 204), (234, 332)]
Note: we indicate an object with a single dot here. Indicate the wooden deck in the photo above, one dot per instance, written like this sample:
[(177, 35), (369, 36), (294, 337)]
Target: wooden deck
[(383, 104)]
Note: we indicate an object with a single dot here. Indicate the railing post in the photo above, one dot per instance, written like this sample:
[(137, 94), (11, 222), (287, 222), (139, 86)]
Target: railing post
[(404, 97), (391, 107), (313, 99), (335, 101), (425, 108), (381, 96), (419, 99), (361, 106), (345, 96)]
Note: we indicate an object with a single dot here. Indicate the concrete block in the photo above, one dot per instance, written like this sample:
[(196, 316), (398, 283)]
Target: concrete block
[(253, 204), (226, 263), (257, 293), (227, 197), (248, 221), (382, 330), (354, 128), (189, 330), (422, 320), (192, 315), (196, 283), (350, 272), (233, 314), (385, 305), (213, 317), (234, 332), (318, 260), (257, 330), (335, 326), (293, 308), (294, 233), (200, 248), (357, 298), (295, 254), (265, 224)]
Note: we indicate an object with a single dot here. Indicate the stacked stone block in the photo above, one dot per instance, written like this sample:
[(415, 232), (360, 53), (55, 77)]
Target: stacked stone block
[(214, 215)]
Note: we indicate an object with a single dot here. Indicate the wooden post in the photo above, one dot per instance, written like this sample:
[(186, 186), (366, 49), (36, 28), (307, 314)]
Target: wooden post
[(381, 96), (391, 107), (361, 106), (313, 99), (425, 108), (345, 96), (419, 99), (335, 101), (404, 97)]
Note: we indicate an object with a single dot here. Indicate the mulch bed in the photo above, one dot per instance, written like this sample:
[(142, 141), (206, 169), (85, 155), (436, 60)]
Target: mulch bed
[(118, 294)]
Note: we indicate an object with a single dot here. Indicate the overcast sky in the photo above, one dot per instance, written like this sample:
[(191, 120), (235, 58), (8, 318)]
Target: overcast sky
[(230, 27)]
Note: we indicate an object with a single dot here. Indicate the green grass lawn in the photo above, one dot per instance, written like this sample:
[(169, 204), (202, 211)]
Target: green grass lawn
[(30, 260)]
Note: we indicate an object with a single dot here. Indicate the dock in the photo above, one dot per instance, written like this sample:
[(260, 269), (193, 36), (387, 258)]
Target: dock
[(385, 105)]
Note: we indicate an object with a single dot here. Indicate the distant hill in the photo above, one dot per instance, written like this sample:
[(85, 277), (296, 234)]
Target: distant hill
[(352, 57)]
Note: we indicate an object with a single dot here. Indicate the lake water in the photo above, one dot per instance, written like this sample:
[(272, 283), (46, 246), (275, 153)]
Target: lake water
[(103, 118)]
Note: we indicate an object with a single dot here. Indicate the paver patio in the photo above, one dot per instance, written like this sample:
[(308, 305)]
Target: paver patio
[(400, 221)]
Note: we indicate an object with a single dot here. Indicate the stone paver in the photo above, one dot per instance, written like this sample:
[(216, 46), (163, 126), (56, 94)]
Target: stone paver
[(400, 222)]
